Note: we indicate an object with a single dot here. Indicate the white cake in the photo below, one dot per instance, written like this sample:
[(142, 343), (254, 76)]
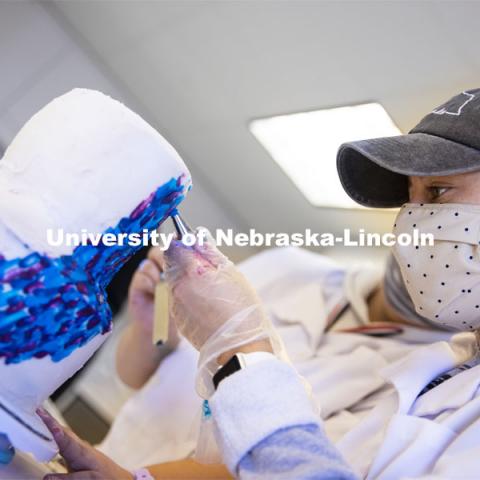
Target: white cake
[(82, 163)]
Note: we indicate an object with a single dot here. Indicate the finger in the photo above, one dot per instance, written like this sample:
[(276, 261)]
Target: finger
[(150, 268), (179, 260), (78, 454), (142, 283), (207, 248), (155, 254)]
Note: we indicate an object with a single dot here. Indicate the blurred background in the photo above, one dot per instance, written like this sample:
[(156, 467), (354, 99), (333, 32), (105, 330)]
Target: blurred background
[(212, 76)]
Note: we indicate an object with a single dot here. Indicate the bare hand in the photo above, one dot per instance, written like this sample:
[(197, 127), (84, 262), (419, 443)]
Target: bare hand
[(84, 462)]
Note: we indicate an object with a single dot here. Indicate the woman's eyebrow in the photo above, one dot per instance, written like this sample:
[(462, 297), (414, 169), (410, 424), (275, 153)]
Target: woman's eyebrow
[(439, 179)]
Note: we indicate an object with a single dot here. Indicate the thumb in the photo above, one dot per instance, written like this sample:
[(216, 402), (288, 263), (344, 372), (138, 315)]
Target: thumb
[(207, 248), (77, 453), (182, 260)]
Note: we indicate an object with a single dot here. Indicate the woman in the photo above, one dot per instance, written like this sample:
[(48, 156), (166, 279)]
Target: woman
[(428, 423)]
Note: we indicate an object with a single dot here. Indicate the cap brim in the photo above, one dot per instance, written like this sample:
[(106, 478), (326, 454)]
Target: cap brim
[(375, 172)]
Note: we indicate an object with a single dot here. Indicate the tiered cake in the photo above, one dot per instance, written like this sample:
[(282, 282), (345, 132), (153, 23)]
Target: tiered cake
[(84, 163)]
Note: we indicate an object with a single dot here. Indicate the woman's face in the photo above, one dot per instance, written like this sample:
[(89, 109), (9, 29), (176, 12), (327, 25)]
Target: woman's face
[(460, 188)]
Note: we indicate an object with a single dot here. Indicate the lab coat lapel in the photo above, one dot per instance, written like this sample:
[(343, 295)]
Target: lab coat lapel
[(411, 374), (410, 442), (411, 446)]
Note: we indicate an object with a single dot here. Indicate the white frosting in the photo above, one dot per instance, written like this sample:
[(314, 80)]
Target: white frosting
[(10, 245), (83, 162), (25, 386)]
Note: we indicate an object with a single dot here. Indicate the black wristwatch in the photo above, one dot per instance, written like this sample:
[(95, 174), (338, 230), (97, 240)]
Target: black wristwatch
[(238, 362)]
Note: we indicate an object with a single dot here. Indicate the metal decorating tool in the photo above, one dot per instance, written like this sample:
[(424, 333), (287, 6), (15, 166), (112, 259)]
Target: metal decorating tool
[(161, 313), (181, 226)]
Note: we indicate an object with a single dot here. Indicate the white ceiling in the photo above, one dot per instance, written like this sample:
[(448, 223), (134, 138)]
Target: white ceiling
[(40, 60), (201, 70)]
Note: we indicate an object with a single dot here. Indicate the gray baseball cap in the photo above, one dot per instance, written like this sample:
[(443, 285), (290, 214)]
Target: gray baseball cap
[(375, 172)]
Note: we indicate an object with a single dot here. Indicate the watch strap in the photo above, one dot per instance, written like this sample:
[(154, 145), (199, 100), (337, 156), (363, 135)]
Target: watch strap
[(232, 366), (237, 362)]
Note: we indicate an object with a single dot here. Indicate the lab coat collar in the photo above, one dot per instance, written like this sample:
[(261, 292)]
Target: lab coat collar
[(412, 373)]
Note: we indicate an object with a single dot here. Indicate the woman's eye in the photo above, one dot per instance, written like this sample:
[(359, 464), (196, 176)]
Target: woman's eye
[(437, 192)]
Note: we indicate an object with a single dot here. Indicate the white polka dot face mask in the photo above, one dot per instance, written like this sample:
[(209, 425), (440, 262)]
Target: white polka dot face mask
[(442, 280)]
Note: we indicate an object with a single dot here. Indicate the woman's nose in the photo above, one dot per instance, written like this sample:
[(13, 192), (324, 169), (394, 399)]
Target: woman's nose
[(417, 191), (418, 197)]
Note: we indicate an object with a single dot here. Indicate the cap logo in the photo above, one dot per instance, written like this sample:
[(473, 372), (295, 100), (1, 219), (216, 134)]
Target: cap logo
[(455, 105)]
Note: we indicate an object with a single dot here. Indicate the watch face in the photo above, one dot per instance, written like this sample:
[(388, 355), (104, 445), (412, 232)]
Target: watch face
[(232, 366)]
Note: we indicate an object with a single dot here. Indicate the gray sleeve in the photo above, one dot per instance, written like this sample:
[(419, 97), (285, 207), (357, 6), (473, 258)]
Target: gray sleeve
[(302, 453), (266, 427)]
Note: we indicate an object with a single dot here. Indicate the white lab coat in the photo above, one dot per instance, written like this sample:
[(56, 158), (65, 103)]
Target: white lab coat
[(349, 372), (436, 433), (367, 388)]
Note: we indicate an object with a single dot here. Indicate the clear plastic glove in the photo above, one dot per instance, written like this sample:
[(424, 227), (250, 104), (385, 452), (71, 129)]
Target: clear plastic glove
[(215, 308)]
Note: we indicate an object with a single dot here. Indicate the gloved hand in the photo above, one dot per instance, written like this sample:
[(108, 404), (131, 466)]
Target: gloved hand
[(215, 308)]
